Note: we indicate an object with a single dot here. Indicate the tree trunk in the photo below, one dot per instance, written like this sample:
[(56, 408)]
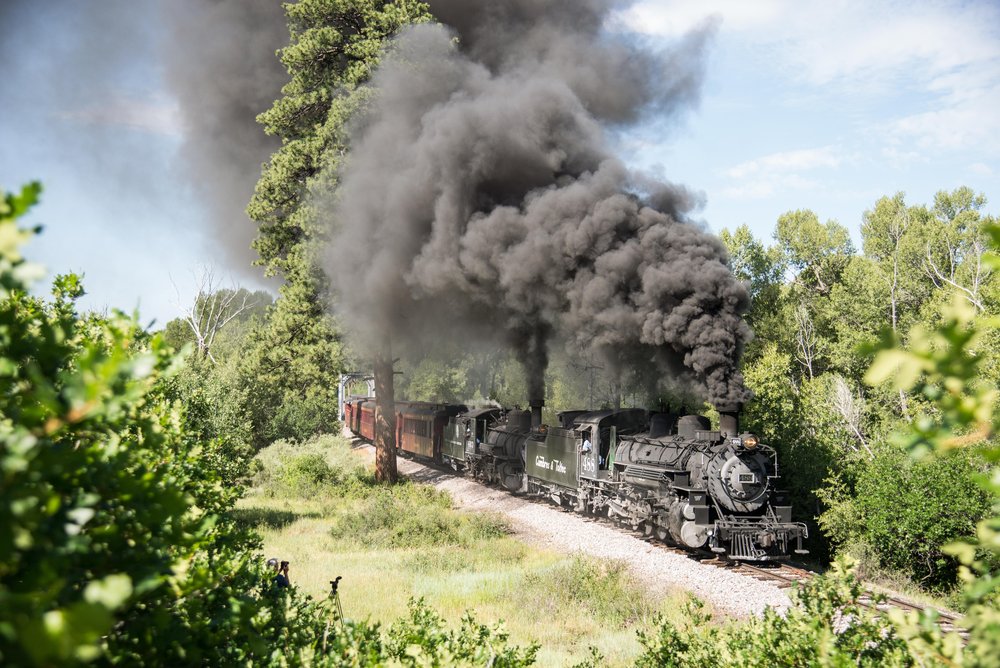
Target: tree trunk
[(385, 417)]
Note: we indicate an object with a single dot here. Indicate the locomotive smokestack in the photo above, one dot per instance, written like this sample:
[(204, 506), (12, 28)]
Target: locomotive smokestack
[(536, 412), (729, 420)]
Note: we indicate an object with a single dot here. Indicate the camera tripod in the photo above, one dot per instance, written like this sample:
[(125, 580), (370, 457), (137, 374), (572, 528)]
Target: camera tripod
[(335, 595)]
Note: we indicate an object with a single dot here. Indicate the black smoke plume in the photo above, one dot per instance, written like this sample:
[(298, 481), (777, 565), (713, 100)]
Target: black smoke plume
[(220, 63), (79, 78), (482, 198)]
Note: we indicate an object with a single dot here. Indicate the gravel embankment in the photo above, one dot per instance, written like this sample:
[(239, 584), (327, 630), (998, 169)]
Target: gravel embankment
[(549, 527)]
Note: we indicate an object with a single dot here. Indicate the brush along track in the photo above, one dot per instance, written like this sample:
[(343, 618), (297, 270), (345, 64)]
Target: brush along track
[(786, 575)]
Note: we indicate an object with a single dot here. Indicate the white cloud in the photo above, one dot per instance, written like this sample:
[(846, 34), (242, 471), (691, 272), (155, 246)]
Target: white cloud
[(901, 158), (944, 54), (981, 168), (827, 40), (767, 185), (154, 116), (787, 161), (779, 172)]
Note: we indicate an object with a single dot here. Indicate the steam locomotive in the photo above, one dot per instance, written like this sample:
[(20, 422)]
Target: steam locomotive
[(669, 475)]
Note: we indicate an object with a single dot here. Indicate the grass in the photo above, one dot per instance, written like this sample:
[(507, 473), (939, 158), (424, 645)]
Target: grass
[(317, 506)]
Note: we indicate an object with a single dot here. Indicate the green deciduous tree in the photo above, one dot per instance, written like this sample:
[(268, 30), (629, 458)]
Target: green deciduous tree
[(763, 269), (113, 538), (818, 252)]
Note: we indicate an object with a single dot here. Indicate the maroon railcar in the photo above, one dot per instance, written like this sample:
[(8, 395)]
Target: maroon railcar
[(366, 424), (420, 427)]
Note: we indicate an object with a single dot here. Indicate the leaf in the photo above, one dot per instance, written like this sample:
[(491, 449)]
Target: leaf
[(963, 551), (111, 592), (904, 366)]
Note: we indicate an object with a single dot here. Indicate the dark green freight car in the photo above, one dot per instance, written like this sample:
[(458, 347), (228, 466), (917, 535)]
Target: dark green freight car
[(561, 461)]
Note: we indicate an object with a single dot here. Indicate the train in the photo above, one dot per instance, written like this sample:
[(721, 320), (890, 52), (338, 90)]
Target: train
[(669, 475)]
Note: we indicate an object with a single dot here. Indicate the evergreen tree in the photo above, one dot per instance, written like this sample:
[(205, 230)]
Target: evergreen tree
[(335, 46)]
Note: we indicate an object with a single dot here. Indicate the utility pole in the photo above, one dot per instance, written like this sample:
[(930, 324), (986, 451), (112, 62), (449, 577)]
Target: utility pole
[(591, 368)]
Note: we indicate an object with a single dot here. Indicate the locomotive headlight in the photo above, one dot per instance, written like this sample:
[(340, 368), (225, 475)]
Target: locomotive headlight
[(749, 441)]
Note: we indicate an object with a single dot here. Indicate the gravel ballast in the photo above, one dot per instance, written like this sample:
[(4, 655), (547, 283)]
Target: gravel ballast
[(550, 527)]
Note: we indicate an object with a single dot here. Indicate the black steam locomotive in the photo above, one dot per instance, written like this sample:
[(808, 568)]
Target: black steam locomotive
[(665, 474)]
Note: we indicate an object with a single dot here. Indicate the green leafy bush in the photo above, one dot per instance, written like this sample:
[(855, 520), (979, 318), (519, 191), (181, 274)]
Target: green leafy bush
[(905, 511), (600, 589), (321, 465), (114, 542), (422, 639)]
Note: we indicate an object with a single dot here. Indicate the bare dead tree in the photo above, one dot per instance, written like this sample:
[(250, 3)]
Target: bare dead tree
[(956, 256), (806, 342), (212, 309), (850, 408)]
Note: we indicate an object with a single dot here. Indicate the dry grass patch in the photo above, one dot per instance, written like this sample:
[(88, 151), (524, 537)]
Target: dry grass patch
[(317, 506)]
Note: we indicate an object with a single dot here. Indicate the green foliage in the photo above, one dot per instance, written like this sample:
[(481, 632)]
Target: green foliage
[(945, 364), (763, 271), (817, 251), (113, 542), (826, 626), (288, 370), (212, 400), (816, 339), (320, 465), (906, 511), (116, 539), (423, 639)]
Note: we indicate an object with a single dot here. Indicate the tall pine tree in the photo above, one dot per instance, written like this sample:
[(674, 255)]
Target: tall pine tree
[(335, 46)]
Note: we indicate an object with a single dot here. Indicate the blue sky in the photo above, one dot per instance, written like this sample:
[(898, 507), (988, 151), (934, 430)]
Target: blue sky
[(830, 105), (820, 105)]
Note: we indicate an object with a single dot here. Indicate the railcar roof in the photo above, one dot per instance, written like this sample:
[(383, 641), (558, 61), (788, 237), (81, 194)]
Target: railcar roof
[(600, 417), (480, 412)]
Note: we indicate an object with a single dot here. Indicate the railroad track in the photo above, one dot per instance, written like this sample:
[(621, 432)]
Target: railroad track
[(782, 575)]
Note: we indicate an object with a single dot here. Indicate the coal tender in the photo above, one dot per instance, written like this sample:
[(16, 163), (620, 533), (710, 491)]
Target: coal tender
[(488, 444), (669, 475)]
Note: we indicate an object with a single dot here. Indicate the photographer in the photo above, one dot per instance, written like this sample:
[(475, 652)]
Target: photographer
[(281, 579)]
